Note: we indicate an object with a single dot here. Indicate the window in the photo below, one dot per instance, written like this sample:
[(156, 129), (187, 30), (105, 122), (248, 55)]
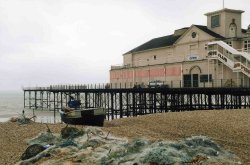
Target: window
[(204, 78), (230, 43), (194, 34), (187, 80), (215, 21), (247, 45), (154, 57)]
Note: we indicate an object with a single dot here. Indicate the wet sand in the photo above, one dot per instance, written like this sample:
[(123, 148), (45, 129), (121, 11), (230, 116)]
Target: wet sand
[(229, 128)]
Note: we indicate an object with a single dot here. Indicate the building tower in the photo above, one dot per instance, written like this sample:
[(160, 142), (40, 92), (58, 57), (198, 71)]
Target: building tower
[(226, 22)]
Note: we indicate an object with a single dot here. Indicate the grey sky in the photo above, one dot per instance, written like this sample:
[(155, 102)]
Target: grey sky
[(45, 42)]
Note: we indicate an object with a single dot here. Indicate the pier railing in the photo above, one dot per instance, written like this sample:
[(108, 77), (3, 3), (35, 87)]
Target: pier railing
[(212, 83)]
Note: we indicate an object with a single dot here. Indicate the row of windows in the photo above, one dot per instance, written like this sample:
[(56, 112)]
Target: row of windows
[(192, 80)]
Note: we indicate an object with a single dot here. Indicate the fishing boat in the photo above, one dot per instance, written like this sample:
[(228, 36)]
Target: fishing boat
[(89, 116)]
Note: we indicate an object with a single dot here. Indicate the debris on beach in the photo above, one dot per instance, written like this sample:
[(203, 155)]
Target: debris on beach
[(93, 146), (22, 119)]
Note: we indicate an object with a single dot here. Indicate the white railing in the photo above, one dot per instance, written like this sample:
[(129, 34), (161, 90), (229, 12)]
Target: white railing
[(228, 56)]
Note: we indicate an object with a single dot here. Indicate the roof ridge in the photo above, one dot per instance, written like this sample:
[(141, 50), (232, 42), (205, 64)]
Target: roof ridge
[(168, 40), (210, 32)]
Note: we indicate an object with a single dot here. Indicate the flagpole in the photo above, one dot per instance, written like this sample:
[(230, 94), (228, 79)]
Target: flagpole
[(223, 4)]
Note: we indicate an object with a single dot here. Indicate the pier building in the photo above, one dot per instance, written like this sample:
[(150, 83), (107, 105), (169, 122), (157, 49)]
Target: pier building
[(215, 55)]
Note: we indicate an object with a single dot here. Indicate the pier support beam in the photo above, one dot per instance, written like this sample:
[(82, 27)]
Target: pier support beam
[(133, 102)]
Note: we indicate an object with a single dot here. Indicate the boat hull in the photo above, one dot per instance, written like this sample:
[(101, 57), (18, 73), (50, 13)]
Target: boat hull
[(91, 117)]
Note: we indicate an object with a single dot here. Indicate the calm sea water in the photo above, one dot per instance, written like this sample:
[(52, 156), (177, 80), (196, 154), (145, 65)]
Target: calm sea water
[(11, 105)]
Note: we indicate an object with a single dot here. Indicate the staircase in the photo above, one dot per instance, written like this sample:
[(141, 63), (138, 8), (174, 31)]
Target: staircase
[(235, 60)]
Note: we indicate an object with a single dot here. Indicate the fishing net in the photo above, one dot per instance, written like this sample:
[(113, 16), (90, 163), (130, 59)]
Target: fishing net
[(93, 146)]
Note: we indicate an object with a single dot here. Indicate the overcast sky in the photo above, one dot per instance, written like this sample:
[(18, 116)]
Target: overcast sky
[(45, 42)]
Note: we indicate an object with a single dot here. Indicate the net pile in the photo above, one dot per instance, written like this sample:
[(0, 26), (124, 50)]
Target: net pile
[(93, 146)]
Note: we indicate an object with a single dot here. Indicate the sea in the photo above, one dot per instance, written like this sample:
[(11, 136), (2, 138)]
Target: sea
[(12, 105)]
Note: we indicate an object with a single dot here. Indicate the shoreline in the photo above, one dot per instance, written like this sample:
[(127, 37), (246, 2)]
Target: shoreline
[(42, 116), (229, 128)]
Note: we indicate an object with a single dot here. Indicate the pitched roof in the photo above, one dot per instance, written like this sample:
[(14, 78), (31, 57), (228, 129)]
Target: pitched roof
[(168, 40), (156, 43), (205, 29)]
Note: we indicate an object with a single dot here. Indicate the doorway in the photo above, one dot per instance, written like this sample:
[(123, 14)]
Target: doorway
[(191, 80)]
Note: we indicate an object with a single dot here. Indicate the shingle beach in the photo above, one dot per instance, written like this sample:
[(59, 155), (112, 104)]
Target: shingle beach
[(229, 128)]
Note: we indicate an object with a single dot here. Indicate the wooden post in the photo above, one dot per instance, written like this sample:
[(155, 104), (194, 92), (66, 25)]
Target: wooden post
[(191, 101), (35, 99), (121, 110), (154, 102), (86, 100), (61, 100), (47, 99), (41, 101), (29, 99), (127, 105), (54, 108), (133, 102), (209, 101), (108, 100), (112, 105), (24, 99)]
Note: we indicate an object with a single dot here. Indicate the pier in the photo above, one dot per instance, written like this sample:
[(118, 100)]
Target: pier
[(126, 102)]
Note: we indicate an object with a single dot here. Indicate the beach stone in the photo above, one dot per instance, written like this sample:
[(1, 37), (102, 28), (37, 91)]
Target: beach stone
[(32, 151), (70, 132)]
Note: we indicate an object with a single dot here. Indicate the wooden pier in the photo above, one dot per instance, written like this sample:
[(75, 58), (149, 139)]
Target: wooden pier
[(122, 102)]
